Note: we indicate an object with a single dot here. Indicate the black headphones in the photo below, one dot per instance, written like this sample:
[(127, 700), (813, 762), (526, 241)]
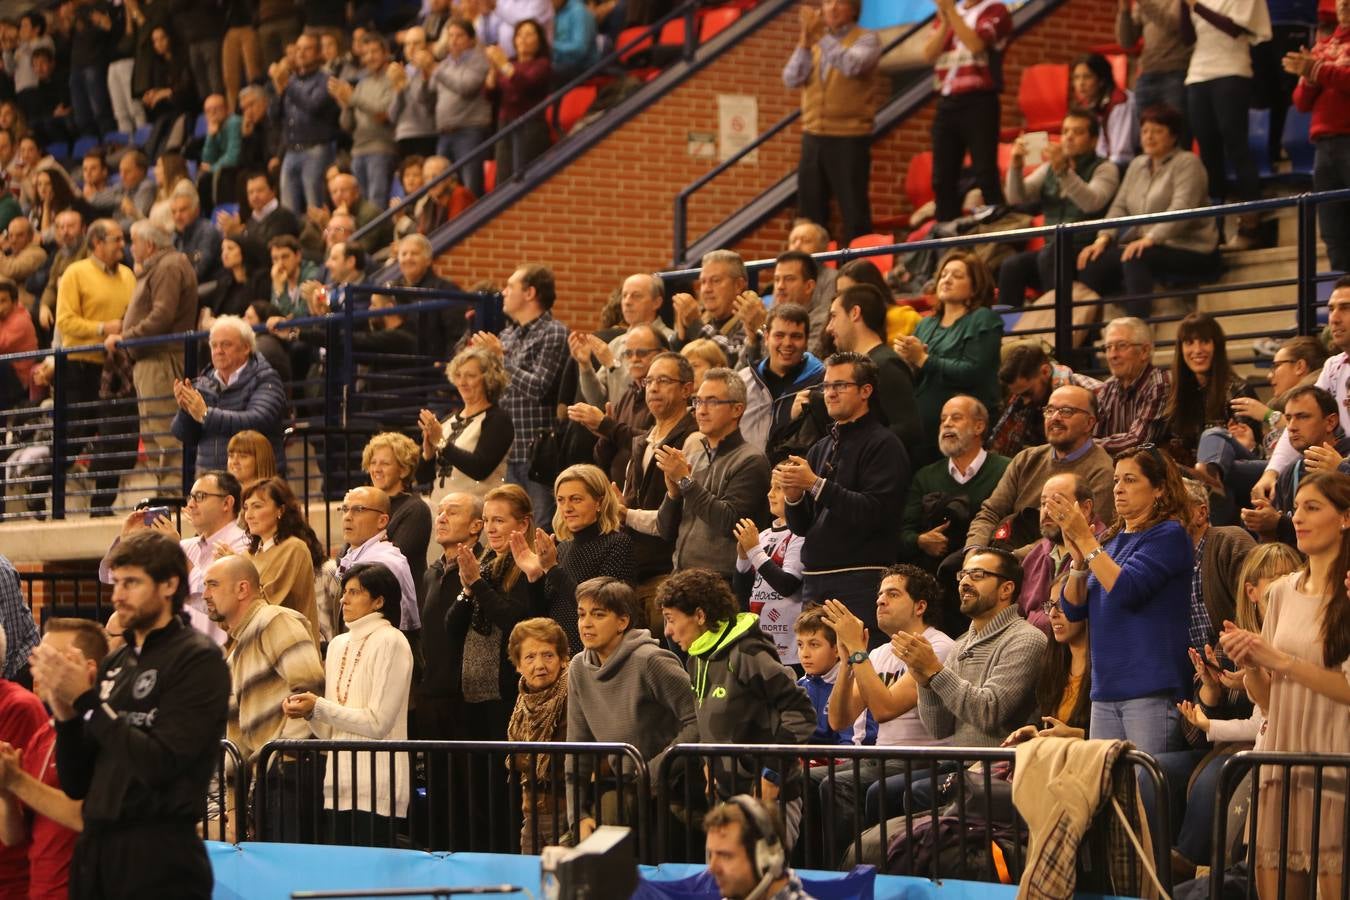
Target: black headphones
[(766, 850)]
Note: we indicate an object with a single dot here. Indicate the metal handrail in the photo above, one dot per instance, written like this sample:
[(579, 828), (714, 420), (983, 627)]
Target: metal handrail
[(686, 11), (681, 230)]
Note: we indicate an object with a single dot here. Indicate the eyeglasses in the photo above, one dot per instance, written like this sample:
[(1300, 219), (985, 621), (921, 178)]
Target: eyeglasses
[(639, 352), (200, 496), (1064, 412), (1276, 363), (1049, 606), (357, 509), (1120, 346), (710, 402), (979, 575), (835, 387), (661, 381)]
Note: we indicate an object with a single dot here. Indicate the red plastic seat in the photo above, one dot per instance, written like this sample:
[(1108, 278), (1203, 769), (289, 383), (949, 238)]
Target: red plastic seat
[(919, 179), (672, 33), (631, 36), (1120, 68), (489, 174), (717, 20), (1036, 243), (574, 105), (883, 261), (1043, 96)]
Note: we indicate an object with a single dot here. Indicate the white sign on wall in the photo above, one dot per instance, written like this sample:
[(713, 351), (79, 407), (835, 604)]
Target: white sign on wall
[(738, 125)]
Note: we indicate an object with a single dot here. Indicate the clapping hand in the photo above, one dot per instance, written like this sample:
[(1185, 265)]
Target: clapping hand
[(10, 767), (672, 462), (750, 310), (795, 476), (431, 431), (587, 415), (489, 342), (1195, 714), (747, 537), (849, 630), (1298, 62), (469, 568), (686, 309), (189, 399), (1322, 459), (1249, 649), (911, 350)]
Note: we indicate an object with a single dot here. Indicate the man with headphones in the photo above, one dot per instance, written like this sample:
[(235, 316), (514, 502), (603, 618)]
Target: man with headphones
[(745, 853)]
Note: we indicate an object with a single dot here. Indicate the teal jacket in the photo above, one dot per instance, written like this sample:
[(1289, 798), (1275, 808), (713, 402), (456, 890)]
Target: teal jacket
[(744, 695)]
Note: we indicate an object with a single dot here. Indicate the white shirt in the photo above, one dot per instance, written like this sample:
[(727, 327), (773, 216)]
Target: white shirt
[(1335, 379), (975, 465), (908, 729), (379, 550)]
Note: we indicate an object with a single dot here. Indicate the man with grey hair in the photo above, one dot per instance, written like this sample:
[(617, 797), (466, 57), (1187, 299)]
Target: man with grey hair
[(640, 300), (715, 315), (439, 331), (239, 391), (70, 247), (959, 483), (193, 236), (164, 302), (1130, 403), (714, 482), (809, 237)]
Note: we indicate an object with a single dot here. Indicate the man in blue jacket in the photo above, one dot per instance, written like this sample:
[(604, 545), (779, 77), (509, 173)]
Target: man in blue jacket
[(239, 392)]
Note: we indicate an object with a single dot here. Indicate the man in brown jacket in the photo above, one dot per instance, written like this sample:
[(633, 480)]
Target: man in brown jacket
[(164, 302)]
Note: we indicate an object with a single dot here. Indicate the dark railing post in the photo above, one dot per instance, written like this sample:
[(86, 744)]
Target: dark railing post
[(690, 32), (60, 424), (1066, 270), (681, 229), (189, 454), (1306, 314)]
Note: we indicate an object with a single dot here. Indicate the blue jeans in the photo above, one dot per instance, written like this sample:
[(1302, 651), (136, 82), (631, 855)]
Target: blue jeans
[(1241, 470), (1197, 816), (1152, 724), (457, 145), (375, 172), (541, 495), (1152, 88), (1331, 171), (90, 104), (302, 177), (917, 797)]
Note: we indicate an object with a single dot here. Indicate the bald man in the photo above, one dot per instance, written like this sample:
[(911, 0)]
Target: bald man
[(365, 516), (271, 654)]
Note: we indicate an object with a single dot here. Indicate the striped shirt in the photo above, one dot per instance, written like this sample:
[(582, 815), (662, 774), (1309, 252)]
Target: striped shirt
[(1131, 415)]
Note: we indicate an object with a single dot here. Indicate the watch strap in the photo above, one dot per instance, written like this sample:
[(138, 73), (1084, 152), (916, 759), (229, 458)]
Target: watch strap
[(857, 656)]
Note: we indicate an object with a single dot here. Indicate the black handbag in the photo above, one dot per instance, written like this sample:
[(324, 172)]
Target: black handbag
[(546, 454)]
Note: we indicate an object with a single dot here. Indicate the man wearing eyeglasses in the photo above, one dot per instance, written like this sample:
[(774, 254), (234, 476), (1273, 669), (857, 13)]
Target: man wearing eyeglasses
[(1130, 402), (365, 514), (1049, 558), (714, 481), (844, 496), (626, 415), (213, 511), (640, 302), (1008, 516), (986, 688)]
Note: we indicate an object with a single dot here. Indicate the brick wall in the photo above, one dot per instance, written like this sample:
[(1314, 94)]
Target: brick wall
[(609, 213)]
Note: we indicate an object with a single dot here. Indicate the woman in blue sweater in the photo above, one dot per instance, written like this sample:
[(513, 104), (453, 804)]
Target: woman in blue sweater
[(1134, 589)]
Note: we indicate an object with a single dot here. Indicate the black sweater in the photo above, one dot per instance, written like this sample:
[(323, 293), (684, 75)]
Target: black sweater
[(855, 522), (147, 752), (588, 555), (645, 489)]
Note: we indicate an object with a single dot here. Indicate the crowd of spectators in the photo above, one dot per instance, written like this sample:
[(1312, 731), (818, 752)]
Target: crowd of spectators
[(821, 519)]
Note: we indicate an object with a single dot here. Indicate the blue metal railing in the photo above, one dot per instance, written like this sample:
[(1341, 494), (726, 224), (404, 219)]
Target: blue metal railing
[(1305, 279), (403, 385)]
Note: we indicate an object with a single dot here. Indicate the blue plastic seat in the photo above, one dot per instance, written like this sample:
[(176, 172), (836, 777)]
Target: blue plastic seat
[(82, 146), (141, 135), (200, 129), (1296, 141)]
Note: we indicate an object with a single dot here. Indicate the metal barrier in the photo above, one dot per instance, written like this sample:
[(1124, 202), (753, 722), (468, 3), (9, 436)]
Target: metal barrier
[(1310, 776), (821, 788), (351, 385), (1305, 279), (462, 795), (227, 798), (78, 595)]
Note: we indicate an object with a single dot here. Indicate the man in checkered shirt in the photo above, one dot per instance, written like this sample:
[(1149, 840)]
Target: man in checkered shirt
[(533, 349)]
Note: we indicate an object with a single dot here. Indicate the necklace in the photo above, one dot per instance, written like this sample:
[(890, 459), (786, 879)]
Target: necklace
[(342, 695)]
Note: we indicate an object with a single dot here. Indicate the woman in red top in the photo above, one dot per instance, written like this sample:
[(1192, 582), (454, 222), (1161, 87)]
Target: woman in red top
[(520, 84), (1324, 90)]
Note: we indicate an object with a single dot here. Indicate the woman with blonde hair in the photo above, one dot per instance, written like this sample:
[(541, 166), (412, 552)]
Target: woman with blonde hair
[(250, 458), (703, 355), (955, 350), (1224, 712), (390, 459), (590, 542), (538, 649), (467, 452)]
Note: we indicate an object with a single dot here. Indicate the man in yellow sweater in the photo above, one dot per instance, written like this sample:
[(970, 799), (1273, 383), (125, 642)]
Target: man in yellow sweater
[(91, 299)]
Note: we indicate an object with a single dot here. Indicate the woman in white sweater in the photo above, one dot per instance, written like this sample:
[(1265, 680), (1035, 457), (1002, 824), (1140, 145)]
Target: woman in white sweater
[(367, 676)]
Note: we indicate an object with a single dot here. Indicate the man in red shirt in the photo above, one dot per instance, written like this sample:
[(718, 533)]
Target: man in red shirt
[(35, 814), (1324, 90), (21, 716)]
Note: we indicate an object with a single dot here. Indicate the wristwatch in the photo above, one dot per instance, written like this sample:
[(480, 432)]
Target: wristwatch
[(685, 483), (857, 656), (1087, 560)]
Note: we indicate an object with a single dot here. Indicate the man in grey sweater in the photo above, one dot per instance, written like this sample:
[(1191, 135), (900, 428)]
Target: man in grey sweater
[(717, 480), (622, 687), (365, 114), (987, 687)]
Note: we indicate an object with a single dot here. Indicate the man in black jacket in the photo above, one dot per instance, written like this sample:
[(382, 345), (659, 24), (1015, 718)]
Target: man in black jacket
[(140, 748), (845, 496)]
